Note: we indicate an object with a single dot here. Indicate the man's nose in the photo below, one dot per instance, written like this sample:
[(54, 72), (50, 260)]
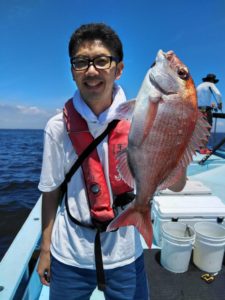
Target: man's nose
[(91, 69)]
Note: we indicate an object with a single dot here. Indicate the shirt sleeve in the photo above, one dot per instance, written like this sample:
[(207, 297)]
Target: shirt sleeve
[(52, 173)]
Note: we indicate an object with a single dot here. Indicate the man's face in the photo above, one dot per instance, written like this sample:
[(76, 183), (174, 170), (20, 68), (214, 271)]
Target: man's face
[(94, 84)]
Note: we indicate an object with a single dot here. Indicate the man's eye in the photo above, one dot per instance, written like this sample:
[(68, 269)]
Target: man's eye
[(101, 61), (81, 62)]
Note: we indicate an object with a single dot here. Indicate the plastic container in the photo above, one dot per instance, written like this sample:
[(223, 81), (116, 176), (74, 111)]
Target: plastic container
[(185, 209), (177, 243), (209, 246)]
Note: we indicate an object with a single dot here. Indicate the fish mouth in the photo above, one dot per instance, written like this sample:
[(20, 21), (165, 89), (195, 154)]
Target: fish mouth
[(158, 87)]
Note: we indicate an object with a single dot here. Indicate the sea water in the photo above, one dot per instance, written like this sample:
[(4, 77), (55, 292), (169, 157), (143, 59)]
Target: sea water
[(20, 165)]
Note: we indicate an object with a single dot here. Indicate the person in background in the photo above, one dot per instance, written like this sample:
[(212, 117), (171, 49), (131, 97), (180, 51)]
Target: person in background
[(68, 261), (209, 97)]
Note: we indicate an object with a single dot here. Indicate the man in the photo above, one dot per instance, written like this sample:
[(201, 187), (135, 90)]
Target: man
[(209, 97), (68, 250)]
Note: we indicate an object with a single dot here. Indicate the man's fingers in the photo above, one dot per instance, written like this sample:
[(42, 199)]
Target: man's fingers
[(45, 277)]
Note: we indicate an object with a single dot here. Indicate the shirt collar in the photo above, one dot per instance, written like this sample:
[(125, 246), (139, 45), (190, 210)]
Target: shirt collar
[(106, 116)]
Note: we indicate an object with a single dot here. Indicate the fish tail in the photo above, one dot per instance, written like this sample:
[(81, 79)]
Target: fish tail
[(141, 220)]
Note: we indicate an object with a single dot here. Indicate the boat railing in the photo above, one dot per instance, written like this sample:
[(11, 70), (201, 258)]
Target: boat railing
[(14, 267), (217, 144), (219, 115)]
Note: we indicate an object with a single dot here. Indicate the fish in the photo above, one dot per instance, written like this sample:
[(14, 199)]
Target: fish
[(166, 131)]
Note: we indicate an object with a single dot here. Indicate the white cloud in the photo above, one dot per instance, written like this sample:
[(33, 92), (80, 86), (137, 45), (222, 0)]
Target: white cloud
[(58, 110), (31, 110), (33, 117), (20, 116)]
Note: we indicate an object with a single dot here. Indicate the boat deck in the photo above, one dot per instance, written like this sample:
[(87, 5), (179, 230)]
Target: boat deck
[(165, 285), (14, 271)]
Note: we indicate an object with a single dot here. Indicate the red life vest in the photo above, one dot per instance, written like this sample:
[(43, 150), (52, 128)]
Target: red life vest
[(96, 185)]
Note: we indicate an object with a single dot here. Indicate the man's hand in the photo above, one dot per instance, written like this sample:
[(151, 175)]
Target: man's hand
[(43, 268), (50, 202)]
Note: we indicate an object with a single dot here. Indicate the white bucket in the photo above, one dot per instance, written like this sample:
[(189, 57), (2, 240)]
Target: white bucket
[(177, 243), (209, 246)]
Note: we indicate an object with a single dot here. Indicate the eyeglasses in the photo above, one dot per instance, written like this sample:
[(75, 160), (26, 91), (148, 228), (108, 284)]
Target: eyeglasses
[(102, 62)]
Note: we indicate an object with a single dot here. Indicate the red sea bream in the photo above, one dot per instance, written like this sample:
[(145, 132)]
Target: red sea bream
[(166, 129)]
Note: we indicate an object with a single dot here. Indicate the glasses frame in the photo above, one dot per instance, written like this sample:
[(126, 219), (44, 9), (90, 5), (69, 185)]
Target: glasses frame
[(91, 61)]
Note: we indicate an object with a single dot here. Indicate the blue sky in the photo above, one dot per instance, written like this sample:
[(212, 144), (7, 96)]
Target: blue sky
[(35, 78)]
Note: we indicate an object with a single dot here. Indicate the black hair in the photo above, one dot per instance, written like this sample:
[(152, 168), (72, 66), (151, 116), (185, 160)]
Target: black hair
[(96, 31)]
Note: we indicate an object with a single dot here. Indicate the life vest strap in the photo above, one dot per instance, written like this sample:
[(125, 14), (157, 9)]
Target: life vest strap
[(100, 274)]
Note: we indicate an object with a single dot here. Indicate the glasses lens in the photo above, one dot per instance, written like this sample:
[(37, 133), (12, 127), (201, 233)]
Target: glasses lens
[(102, 62), (99, 62), (80, 63)]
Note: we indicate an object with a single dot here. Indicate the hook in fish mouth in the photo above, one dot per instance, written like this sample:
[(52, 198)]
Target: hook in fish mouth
[(158, 87)]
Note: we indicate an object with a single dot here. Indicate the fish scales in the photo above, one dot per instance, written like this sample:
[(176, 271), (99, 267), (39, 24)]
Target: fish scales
[(164, 136)]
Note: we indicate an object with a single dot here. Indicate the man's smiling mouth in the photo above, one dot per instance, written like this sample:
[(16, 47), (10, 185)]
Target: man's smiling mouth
[(93, 83)]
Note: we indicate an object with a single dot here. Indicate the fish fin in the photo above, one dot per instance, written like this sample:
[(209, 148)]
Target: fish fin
[(199, 138), (172, 178), (141, 220), (123, 168), (126, 109), (201, 133), (152, 111)]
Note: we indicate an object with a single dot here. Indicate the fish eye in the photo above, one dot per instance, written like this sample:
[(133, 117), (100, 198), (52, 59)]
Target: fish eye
[(183, 73)]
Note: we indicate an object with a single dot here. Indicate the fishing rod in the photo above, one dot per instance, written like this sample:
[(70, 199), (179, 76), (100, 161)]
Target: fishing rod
[(214, 97), (217, 104), (201, 162)]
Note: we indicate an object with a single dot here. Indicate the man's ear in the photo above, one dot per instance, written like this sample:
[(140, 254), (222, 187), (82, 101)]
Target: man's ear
[(119, 70)]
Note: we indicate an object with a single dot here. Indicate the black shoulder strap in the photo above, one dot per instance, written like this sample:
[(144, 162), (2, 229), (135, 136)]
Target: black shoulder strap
[(88, 150)]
